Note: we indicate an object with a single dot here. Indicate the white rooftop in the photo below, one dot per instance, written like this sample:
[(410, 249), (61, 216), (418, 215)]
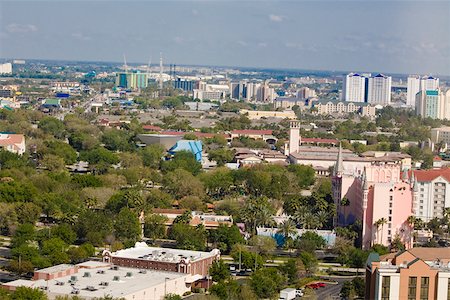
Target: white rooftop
[(144, 252), (104, 281)]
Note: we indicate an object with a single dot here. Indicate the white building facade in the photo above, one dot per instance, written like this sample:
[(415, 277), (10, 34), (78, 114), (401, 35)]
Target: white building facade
[(354, 88), (379, 89), (431, 193)]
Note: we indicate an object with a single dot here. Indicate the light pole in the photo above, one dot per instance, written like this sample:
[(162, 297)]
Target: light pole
[(165, 286)]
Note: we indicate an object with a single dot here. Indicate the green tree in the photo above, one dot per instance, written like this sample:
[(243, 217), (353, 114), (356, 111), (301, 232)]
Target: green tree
[(286, 229), (188, 237), (172, 297), (27, 212), (310, 262), (219, 271), (65, 233), (182, 160), (221, 156), (52, 126), (26, 293), (290, 270), (181, 183), (266, 282), (151, 155), (54, 250), (116, 140), (217, 182), (226, 236), (310, 241), (155, 227), (305, 175), (127, 226)]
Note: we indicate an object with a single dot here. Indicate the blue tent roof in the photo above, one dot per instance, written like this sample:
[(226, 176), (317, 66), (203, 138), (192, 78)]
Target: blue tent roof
[(187, 145)]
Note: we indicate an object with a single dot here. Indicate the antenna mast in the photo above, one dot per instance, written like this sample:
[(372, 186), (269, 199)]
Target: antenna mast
[(160, 71), (125, 63), (149, 64)]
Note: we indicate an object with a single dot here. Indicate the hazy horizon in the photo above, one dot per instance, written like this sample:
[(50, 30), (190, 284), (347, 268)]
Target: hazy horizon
[(372, 36)]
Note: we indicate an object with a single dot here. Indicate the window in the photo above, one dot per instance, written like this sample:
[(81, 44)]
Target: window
[(412, 288), (391, 198), (385, 287), (448, 290), (421, 189), (424, 284), (390, 211), (390, 219)]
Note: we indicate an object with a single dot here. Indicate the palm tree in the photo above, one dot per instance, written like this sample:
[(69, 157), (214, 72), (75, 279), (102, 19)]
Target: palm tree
[(381, 222), (411, 220), (322, 218), (311, 221), (300, 216), (286, 229)]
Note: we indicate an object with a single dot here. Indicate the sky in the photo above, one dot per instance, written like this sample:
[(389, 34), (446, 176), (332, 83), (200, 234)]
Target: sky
[(397, 36)]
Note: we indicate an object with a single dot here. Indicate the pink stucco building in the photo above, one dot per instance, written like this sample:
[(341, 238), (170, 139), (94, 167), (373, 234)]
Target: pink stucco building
[(379, 192)]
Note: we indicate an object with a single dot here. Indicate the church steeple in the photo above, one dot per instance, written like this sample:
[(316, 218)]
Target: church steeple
[(339, 165)]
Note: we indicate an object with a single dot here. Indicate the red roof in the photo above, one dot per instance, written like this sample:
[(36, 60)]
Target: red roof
[(437, 158), (319, 140), (429, 175), (168, 211), (252, 131), (197, 134), (151, 128)]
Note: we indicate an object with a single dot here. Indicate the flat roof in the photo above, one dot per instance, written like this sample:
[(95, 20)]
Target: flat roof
[(144, 252), (56, 269), (121, 287)]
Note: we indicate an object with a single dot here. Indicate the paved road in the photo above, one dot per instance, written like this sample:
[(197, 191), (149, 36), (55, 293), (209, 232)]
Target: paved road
[(331, 290)]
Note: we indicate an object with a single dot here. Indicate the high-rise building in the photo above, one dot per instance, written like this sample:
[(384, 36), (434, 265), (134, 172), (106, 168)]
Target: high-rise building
[(433, 104), (417, 84), (431, 193), (184, 84), (6, 68), (429, 83), (379, 89), (354, 88), (412, 89), (305, 93), (132, 80)]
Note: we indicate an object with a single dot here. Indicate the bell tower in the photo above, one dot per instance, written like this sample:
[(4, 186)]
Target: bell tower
[(294, 136)]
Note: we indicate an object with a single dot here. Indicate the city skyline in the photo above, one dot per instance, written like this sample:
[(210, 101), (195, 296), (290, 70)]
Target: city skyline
[(354, 36)]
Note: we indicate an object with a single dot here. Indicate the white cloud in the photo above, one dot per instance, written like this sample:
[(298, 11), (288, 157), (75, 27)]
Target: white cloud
[(178, 40), (262, 44), (242, 43), (80, 36), (195, 12), (276, 18), (21, 28)]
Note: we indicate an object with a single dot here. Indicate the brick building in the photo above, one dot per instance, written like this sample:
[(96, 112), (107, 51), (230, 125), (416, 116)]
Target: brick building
[(173, 260)]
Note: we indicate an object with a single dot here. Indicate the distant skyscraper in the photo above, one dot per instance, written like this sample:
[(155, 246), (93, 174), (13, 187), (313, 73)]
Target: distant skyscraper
[(354, 88), (6, 68), (412, 90), (433, 104), (132, 80), (429, 83), (379, 89), (417, 84)]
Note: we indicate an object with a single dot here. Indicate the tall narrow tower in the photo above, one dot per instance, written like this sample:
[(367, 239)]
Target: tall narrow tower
[(294, 136), (160, 71)]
